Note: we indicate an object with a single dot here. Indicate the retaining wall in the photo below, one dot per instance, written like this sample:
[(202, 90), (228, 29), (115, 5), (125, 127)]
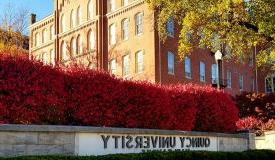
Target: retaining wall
[(18, 140)]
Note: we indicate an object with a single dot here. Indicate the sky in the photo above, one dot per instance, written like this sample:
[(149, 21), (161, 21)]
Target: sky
[(41, 8)]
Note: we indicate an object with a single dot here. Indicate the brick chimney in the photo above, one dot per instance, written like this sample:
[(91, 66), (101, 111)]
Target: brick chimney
[(32, 18)]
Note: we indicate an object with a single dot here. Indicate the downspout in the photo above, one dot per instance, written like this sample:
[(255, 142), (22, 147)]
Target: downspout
[(256, 70)]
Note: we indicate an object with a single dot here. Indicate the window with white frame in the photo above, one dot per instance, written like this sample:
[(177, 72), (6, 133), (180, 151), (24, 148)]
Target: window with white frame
[(229, 79), (90, 10), (112, 34), (44, 58), (241, 84), (139, 62), (187, 67), (125, 2), (113, 66), (36, 39), (52, 32), (52, 57), (139, 23), (73, 47), (112, 4), (44, 35), (91, 40), (126, 65), (72, 19), (171, 63), (79, 16), (79, 45), (270, 84), (64, 55), (214, 73), (171, 27), (63, 24), (125, 29), (202, 71)]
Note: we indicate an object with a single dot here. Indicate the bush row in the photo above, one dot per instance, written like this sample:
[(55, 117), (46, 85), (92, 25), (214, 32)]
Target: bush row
[(31, 93), (248, 155)]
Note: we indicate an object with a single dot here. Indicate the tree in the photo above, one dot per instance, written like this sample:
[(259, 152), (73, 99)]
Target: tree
[(13, 25), (14, 19), (233, 26)]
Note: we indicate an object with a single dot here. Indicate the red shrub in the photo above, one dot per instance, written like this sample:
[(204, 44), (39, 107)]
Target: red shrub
[(31, 93), (249, 123)]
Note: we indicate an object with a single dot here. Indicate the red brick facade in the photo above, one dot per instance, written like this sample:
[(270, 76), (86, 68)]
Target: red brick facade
[(155, 53)]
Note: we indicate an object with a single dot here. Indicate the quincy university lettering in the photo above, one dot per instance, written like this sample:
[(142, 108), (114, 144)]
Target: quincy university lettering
[(154, 142)]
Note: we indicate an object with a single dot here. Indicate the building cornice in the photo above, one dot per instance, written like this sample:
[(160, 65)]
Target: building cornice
[(124, 9), (82, 26), (42, 22), (42, 46)]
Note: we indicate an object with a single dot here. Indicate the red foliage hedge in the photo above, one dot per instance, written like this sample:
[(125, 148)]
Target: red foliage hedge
[(31, 93)]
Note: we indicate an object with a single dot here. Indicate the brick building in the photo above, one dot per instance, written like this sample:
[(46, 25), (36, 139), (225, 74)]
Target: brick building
[(120, 36)]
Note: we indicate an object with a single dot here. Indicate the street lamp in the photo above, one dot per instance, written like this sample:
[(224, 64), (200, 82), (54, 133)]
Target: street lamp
[(218, 58)]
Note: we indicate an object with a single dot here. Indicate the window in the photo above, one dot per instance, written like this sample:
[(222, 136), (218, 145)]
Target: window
[(241, 82), (139, 62), (113, 66), (229, 79), (44, 58), (90, 10), (63, 25), (112, 34), (202, 72), (139, 23), (64, 55), (91, 40), (270, 84), (73, 47), (36, 39), (126, 65), (44, 35), (52, 32), (170, 27), (214, 73), (72, 19), (79, 45), (112, 5), (52, 57), (187, 67), (79, 16), (125, 29), (171, 63), (125, 2)]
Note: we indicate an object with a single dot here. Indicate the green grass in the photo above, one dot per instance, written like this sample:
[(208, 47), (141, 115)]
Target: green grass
[(248, 155)]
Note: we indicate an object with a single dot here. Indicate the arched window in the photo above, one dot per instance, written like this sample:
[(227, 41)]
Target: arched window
[(44, 35), (79, 45), (112, 34), (73, 46), (125, 29), (214, 73), (52, 57), (139, 62), (36, 36), (72, 19), (91, 40), (78, 15), (64, 55), (171, 63), (90, 10), (139, 23), (62, 27), (171, 27), (51, 32)]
